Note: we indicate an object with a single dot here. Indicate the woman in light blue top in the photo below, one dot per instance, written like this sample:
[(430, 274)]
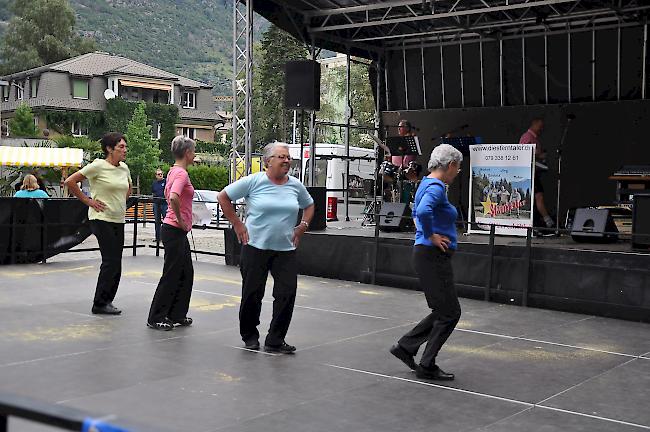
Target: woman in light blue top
[(30, 189), (269, 239)]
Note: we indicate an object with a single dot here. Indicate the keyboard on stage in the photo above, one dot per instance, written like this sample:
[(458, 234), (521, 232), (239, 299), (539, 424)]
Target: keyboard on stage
[(634, 170)]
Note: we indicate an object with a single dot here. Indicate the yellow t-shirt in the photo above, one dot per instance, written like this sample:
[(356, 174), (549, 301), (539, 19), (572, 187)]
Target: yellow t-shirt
[(108, 184)]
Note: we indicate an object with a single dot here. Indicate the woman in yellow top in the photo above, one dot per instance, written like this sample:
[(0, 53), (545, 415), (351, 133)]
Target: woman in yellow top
[(110, 186)]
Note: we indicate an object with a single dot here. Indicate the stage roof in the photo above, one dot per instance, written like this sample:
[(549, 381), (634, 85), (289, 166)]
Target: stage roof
[(370, 27)]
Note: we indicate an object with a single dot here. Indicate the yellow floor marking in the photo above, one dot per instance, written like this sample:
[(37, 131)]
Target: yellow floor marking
[(368, 292), (56, 334), (207, 306), (43, 272), (225, 377)]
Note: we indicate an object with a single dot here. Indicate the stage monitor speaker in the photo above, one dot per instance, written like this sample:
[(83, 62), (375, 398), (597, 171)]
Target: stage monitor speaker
[(302, 85), (641, 221), (319, 221), (394, 217), (592, 225)]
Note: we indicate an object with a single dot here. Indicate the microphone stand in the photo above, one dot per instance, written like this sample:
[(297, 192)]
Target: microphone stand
[(559, 175)]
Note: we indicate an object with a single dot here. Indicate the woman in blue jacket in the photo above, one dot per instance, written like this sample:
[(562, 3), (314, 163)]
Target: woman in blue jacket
[(435, 243)]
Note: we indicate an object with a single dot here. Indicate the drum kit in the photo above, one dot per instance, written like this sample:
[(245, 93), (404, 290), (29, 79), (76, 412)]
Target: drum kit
[(399, 183)]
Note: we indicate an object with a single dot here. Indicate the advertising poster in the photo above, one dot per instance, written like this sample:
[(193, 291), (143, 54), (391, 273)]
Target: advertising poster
[(501, 188)]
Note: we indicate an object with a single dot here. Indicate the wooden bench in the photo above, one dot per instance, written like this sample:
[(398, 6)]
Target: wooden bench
[(145, 212)]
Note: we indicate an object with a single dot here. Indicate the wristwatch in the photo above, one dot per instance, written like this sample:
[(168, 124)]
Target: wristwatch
[(305, 223)]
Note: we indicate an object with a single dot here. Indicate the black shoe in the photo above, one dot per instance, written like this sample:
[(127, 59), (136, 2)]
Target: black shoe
[(434, 373), (404, 356), (164, 325), (185, 322), (107, 309), (285, 348), (252, 345)]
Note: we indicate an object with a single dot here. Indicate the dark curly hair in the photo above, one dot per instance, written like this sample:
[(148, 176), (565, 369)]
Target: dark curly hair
[(110, 140)]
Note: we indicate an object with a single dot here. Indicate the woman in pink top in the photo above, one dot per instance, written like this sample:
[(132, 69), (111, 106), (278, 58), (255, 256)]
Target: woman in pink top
[(172, 298)]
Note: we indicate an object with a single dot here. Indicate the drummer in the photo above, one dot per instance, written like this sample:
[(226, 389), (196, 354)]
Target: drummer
[(404, 128)]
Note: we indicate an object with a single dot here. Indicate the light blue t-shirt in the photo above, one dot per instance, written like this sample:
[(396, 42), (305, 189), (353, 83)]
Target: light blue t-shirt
[(271, 210), (37, 193)]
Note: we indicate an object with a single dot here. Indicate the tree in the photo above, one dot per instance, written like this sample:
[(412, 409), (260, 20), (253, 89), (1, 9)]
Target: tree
[(143, 153), (22, 124), (41, 32), (272, 120)]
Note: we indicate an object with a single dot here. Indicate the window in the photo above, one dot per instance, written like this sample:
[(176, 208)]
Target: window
[(189, 132), (5, 93), (20, 91), (79, 89), (36, 121), (155, 130), (33, 84), (188, 100), (5, 128), (78, 129)]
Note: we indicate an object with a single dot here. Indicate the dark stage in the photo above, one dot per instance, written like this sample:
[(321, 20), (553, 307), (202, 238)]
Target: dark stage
[(518, 369), (556, 273)]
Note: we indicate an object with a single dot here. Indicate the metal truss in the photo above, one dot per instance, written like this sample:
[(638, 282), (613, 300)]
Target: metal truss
[(400, 24), (242, 85)]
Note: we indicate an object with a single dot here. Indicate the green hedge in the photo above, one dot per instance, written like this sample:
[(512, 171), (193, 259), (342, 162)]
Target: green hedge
[(208, 177), (202, 177)]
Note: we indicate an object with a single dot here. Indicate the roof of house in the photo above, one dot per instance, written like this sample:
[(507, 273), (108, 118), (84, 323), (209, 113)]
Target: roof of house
[(101, 64)]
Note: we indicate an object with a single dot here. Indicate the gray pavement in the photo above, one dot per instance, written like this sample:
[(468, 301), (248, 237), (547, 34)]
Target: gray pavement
[(517, 369)]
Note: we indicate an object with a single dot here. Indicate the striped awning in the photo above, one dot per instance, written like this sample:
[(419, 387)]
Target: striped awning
[(147, 85), (41, 156)]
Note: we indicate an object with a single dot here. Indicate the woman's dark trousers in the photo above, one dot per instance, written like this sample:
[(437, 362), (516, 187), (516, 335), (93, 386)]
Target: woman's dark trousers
[(255, 265), (435, 273), (172, 297), (110, 237)]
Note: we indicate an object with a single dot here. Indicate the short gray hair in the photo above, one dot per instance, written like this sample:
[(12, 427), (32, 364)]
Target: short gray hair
[(181, 145), (270, 148), (442, 156)]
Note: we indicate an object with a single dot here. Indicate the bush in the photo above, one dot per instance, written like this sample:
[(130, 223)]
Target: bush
[(208, 177)]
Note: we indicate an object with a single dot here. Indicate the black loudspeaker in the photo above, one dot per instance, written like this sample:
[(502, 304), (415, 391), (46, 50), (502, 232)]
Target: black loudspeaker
[(319, 221), (641, 221), (302, 85), (592, 225), (394, 217)]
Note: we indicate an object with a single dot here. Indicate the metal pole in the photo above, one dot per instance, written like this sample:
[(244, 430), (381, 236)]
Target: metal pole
[(569, 64), (249, 85), (235, 107), (442, 76), (348, 116), (386, 83), (462, 76), (406, 82), (312, 133), (645, 54), (424, 79), (501, 70), (593, 64), (488, 279), (524, 294), (302, 141), (523, 65), (545, 68), (135, 226), (480, 48), (618, 63), (295, 120)]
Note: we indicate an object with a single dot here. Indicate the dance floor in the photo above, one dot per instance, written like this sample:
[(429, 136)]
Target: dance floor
[(517, 369)]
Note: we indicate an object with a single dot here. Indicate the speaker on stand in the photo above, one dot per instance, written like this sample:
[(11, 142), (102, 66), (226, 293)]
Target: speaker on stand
[(395, 217), (302, 85), (641, 221), (592, 225)]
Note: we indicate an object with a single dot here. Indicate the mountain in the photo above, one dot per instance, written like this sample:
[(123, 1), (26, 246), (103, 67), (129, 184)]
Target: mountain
[(192, 38)]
